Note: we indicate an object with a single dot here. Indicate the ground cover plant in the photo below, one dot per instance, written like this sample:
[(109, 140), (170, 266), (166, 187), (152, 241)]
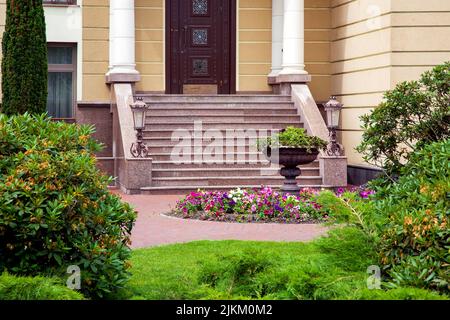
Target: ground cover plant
[(55, 207), (332, 267), (35, 288), (257, 205)]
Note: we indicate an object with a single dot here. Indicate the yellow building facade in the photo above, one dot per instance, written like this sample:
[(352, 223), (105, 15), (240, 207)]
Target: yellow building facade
[(353, 49)]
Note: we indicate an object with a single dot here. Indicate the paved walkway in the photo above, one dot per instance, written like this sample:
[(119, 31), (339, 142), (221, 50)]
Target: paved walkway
[(153, 229)]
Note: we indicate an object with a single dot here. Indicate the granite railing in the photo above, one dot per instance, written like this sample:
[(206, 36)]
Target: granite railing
[(333, 169)]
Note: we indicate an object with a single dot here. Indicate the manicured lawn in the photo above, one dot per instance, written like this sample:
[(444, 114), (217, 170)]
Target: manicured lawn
[(328, 268)]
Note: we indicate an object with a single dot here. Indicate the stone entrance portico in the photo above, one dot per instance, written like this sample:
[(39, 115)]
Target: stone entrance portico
[(160, 172), (308, 50)]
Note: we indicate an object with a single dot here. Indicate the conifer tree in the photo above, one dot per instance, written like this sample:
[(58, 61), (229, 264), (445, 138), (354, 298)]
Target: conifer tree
[(24, 64)]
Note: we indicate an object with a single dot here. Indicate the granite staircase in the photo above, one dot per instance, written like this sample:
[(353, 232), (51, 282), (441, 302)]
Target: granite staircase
[(184, 133)]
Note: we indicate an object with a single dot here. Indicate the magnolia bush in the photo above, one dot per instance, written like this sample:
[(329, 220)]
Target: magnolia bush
[(55, 208), (413, 115)]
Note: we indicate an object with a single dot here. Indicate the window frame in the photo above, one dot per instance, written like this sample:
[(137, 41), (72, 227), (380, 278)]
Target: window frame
[(58, 3), (66, 68)]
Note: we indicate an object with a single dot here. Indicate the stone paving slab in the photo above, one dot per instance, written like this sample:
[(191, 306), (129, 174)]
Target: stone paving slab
[(153, 229)]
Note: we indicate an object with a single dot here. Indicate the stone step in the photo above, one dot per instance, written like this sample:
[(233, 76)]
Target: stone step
[(151, 98), (223, 107), (226, 165), (249, 147), (167, 141), (230, 172), (163, 134), (250, 157), (212, 118), (222, 125), (230, 180), (182, 190)]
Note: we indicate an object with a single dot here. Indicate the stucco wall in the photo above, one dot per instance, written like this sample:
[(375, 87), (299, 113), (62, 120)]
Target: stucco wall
[(375, 45), (96, 50), (317, 47), (150, 44)]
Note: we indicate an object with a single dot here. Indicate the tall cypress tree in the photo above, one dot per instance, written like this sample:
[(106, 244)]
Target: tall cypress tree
[(24, 64)]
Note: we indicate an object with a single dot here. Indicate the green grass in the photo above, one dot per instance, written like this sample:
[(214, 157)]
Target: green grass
[(35, 288), (327, 268)]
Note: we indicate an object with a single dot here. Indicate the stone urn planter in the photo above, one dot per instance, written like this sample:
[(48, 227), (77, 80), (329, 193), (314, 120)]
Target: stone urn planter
[(290, 158), (290, 148)]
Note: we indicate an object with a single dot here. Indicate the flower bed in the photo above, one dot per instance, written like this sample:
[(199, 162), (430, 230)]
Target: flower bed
[(254, 205)]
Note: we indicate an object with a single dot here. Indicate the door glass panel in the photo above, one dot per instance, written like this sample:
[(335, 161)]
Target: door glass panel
[(200, 7), (199, 36), (59, 99), (200, 67), (60, 55)]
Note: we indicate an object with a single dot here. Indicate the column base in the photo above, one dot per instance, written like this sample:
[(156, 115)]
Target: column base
[(122, 77), (281, 83)]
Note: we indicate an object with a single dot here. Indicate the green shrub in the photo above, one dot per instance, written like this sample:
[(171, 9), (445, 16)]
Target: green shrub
[(351, 209), (24, 63), (55, 208), (415, 242), (411, 116), (292, 137), (235, 274), (348, 248), (333, 269), (396, 294), (35, 288)]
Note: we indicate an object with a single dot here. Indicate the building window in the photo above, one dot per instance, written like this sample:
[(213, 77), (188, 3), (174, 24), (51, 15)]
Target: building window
[(61, 80), (64, 2)]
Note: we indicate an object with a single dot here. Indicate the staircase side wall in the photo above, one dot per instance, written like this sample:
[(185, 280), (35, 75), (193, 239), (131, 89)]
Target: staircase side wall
[(131, 174), (332, 169)]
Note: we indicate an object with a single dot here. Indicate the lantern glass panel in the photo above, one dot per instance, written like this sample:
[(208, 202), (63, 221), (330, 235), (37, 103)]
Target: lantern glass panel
[(138, 117), (329, 117), (335, 117)]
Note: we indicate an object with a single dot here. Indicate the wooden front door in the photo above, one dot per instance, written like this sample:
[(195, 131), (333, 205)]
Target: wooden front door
[(200, 46)]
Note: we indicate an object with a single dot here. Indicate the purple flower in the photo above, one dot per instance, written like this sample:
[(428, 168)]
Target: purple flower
[(366, 193)]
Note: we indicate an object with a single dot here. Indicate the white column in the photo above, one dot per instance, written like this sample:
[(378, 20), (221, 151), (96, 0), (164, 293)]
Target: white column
[(277, 37), (294, 37), (121, 38)]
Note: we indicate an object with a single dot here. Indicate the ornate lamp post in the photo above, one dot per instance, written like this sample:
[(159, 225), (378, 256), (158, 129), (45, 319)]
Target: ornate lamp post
[(139, 108), (333, 109)]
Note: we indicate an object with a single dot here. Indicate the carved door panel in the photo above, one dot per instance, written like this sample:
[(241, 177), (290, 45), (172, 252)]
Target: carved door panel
[(201, 46)]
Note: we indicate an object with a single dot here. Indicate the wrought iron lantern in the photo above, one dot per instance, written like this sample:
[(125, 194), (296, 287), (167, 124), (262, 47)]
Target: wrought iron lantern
[(139, 108), (333, 110)]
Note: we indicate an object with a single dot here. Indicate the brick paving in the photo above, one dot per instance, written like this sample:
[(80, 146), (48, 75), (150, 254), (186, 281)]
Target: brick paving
[(153, 229)]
